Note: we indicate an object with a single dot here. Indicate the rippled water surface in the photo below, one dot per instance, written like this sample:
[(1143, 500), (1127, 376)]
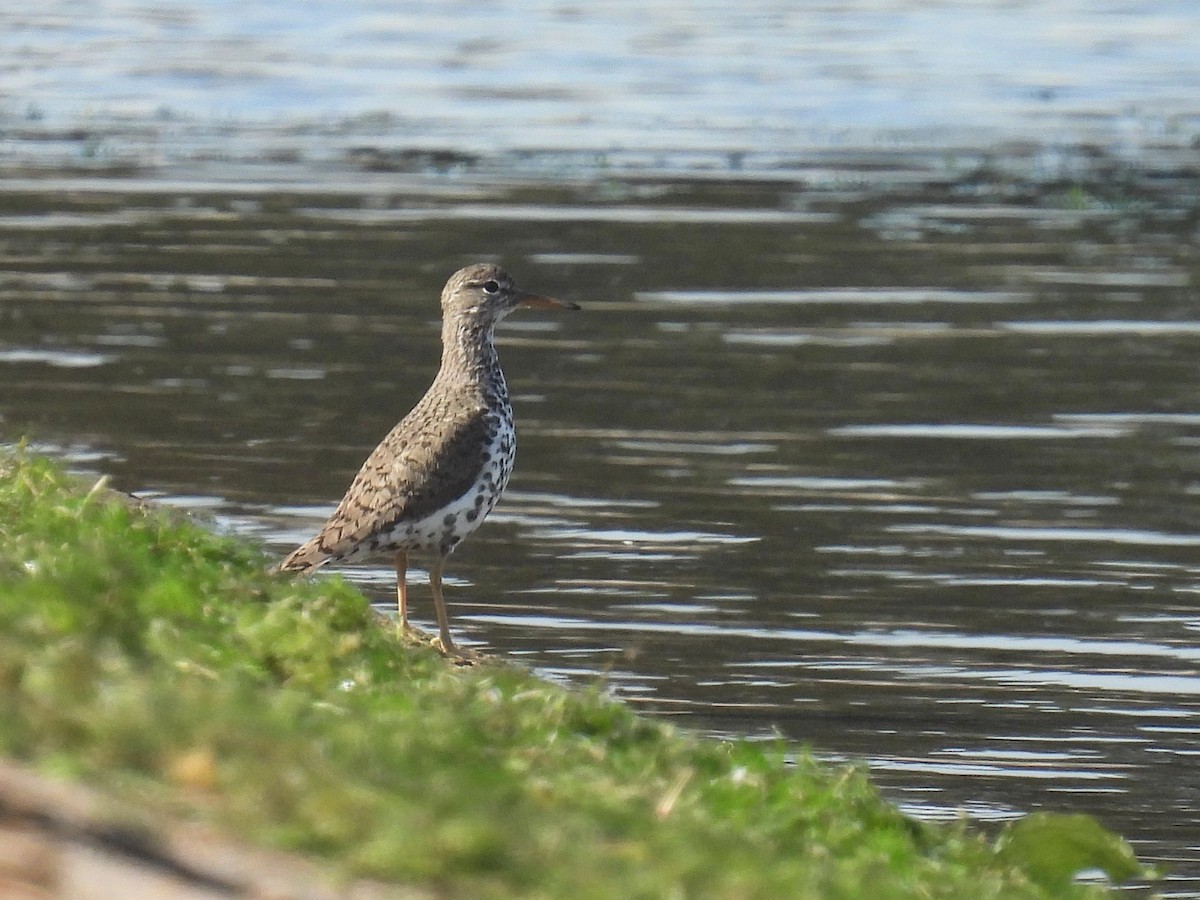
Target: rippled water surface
[(124, 83), (927, 497), (892, 449)]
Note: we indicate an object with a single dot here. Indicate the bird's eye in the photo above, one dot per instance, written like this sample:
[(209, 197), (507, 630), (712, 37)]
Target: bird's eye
[(490, 287)]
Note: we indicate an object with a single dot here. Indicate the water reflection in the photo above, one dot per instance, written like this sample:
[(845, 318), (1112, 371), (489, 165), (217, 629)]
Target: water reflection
[(924, 498), (841, 296)]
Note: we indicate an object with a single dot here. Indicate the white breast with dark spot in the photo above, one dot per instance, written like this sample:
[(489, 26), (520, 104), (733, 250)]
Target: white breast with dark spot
[(440, 532)]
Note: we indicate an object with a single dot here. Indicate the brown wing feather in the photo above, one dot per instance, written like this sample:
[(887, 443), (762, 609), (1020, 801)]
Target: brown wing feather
[(434, 455)]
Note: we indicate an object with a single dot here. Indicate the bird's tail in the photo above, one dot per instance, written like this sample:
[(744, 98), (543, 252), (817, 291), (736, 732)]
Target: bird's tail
[(304, 558)]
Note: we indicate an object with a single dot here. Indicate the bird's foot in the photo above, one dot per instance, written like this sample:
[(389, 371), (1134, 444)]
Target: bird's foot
[(460, 656)]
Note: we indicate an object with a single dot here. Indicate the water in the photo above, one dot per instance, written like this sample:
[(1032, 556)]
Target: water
[(938, 512), (873, 432), (130, 84)]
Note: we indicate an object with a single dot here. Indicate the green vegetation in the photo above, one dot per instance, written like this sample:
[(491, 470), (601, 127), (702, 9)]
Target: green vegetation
[(161, 663)]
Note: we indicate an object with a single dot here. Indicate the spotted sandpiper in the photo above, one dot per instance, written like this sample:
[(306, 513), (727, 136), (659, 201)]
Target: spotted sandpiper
[(438, 473)]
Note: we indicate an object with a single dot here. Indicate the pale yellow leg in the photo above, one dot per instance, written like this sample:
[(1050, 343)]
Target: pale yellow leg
[(439, 605), (402, 587)]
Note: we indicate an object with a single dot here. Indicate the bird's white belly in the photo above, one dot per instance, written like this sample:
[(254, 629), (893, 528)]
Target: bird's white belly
[(441, 531)]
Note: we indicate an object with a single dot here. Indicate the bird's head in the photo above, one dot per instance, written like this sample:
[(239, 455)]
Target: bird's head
[(487, 293)]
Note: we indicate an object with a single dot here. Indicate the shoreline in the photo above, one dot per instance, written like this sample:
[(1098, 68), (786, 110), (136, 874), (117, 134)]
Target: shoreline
[(283, 715)]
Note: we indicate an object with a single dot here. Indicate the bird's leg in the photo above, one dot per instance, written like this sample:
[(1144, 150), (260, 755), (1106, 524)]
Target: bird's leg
[(402, 587), (439, 605)]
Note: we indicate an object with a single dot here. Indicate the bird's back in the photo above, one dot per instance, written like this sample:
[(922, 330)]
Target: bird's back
[(446, 446)]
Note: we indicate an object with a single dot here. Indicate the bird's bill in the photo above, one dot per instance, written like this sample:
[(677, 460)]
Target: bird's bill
[(540, 302)]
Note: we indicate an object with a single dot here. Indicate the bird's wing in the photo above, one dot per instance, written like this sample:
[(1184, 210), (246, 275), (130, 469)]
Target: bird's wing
[(435, 454)]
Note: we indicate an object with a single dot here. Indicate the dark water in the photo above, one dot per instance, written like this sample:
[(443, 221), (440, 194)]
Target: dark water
[(880, 427), (909, 473)]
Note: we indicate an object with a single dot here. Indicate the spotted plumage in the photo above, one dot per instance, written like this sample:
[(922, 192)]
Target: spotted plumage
[(439, 472)]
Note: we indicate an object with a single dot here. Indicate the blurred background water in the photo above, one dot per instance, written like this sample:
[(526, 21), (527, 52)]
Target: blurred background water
[(880, 427)]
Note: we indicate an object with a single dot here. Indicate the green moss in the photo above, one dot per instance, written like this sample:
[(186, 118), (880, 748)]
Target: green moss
[(162, 663)]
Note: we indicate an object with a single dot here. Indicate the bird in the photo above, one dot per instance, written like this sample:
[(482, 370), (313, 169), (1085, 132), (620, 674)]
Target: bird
[(437, 474)]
